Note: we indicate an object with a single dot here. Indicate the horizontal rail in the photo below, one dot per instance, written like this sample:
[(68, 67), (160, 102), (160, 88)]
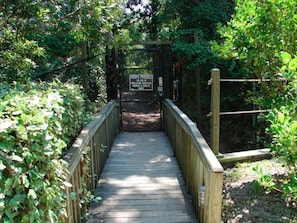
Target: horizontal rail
[(95, 140), (215, 113), (240, 112), (245, 80), (199, 166)]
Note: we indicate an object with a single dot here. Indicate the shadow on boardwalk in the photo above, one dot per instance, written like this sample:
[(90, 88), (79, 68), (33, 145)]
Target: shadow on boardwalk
[(141, 183)]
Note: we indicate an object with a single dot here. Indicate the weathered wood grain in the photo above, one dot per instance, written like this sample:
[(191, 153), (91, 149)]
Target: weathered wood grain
[(100, 131), (141, 183), (198, 164)]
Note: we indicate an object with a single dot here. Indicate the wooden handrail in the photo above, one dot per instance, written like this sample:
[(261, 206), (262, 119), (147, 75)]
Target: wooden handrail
[(241, 112), (199, 166), (197, 138), (99, 132)]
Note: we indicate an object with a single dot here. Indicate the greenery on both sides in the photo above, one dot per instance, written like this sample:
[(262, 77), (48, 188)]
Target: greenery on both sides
[(38, 37)]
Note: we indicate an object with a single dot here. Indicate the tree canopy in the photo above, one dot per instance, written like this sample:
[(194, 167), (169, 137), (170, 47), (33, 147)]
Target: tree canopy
[(42, 33)]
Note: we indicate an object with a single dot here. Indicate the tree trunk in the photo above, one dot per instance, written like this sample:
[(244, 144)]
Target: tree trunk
[(198, 96), (154, 21), (84, 66), (198, 89)]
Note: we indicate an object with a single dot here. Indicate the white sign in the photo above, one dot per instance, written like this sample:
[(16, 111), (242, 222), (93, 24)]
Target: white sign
[(141, 82)]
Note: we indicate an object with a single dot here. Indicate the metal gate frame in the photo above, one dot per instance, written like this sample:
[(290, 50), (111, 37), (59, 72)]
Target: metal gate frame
[(161, 69)]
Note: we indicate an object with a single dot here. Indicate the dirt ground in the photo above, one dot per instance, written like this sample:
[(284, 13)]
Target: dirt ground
[(245, 201), (140, 112)]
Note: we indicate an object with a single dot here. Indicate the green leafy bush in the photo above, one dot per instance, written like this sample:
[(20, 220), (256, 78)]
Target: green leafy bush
[(36, 123), (283, 126), (260, 34)]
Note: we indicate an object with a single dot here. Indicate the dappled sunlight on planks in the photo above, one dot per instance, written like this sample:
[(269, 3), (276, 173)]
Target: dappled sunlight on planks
[(160, 158), (142, 183)]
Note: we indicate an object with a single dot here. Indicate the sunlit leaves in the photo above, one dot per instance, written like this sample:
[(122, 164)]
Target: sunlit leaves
[(259, 31), (38, 33), (263, 35), (283, 127), (36, 122), (2, 166)]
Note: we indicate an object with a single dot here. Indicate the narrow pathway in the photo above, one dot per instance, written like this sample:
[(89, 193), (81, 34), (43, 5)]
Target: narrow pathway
[(141, 183)]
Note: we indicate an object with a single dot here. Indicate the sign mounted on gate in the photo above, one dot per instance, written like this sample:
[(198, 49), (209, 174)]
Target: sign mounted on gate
[(141, 82)]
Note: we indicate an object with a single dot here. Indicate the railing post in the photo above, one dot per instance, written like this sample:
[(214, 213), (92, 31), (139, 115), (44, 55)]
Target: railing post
[(215, 111)]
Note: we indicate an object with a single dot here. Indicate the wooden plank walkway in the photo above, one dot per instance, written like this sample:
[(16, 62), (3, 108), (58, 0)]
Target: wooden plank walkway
[(141, 183)]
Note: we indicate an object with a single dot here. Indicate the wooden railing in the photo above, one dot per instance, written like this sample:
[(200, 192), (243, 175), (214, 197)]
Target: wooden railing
[(202, 172), (95, 140), (215, 115)]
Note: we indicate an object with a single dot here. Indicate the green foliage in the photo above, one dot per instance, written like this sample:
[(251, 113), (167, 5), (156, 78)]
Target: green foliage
[(17, 61), (198, 53), (141, 18), (85, 196), (258, 33), (283, 124), (37, 121), (261, 34), (186, 19), (284, 130), (38, 35), (122, 39), (264, 179), (286, 184), (96, 19), (19, 53)]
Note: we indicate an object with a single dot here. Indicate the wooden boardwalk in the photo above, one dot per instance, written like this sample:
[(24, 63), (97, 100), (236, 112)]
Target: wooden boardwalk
[(141, 183)]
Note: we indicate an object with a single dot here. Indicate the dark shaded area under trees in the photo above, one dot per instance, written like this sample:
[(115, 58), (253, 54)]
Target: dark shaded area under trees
[(192, 27)]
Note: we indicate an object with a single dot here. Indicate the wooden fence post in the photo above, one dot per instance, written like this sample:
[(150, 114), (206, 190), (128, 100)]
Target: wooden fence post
[(215, 111)]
